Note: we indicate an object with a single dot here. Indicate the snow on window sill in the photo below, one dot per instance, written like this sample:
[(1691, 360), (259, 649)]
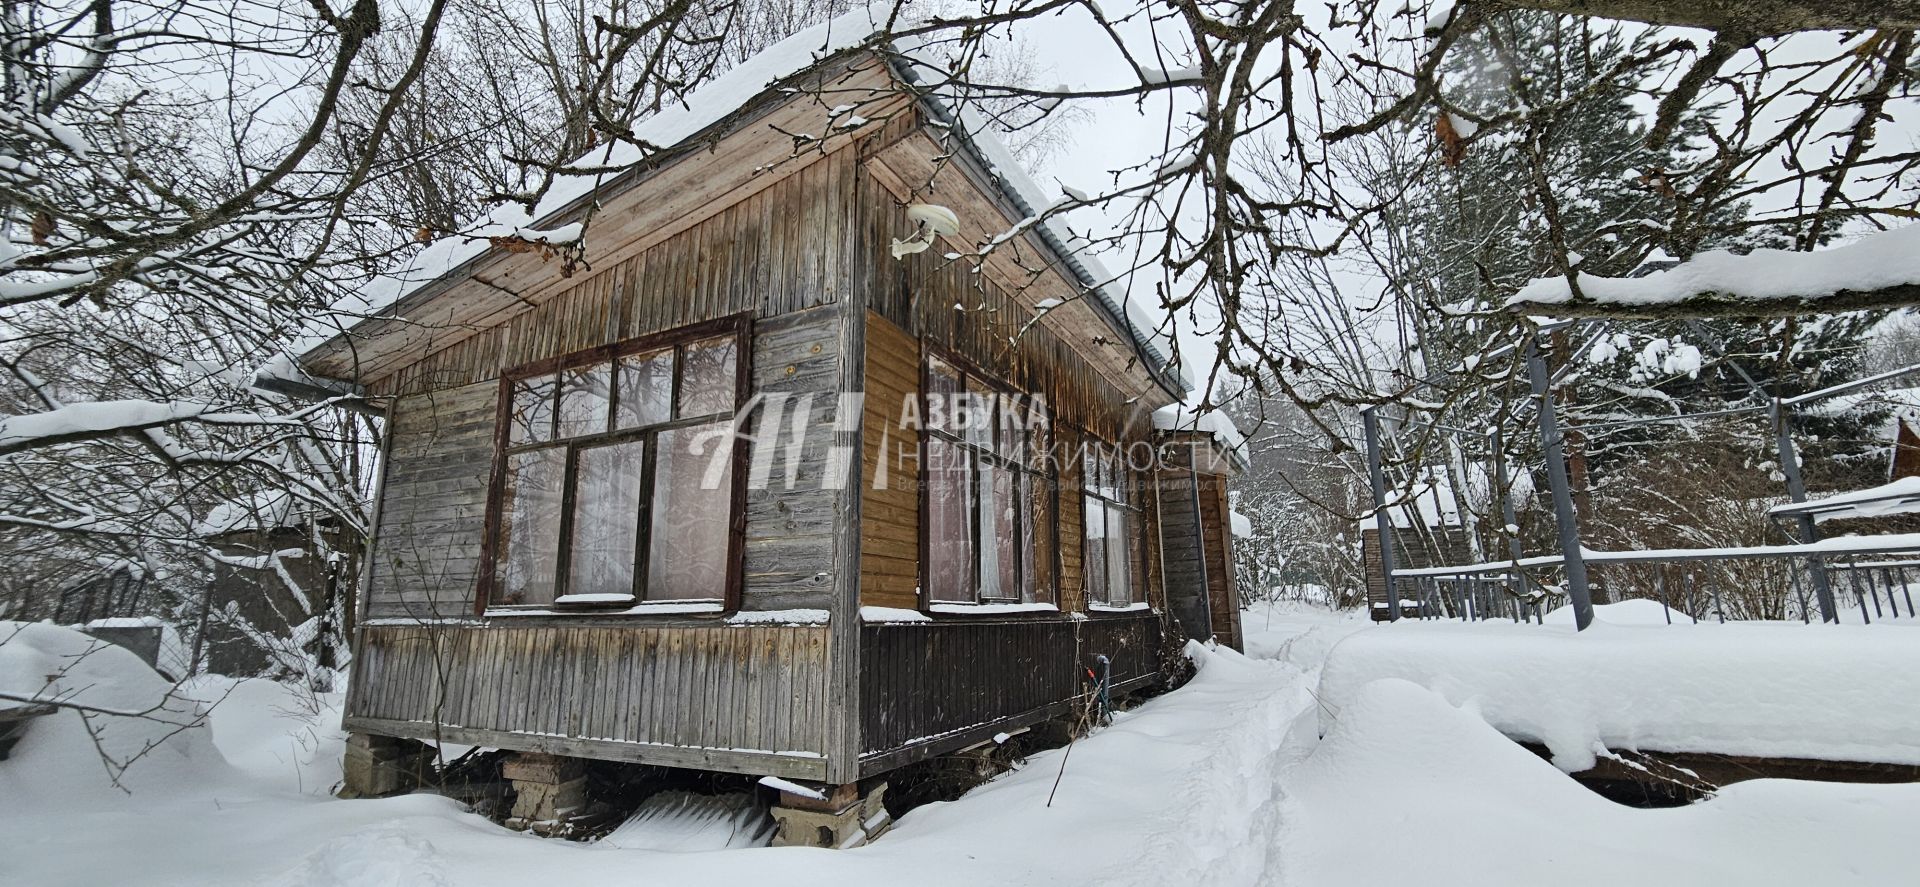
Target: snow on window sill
[(605, 598), (993, 609), (1134, 607), (892, 614), (653, 608), (778, 617)]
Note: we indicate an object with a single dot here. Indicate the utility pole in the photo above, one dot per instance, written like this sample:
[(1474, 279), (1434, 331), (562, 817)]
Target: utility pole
[(1573, 560), (1383, 524), (1797, 490)]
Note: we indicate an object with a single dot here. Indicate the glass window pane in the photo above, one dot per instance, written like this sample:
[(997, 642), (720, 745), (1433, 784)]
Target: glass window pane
[(585, 395), (949, 568), (707, 378), (1119, 551), (692, 513), (1093, 561), (646, 389), (999, 532), (1039, 545), (942, 386), (530, 419), (606, 519), (530, 526)]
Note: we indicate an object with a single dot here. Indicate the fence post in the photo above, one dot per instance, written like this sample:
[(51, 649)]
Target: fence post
[(1797, 490), (1370, 421), (1574, 563)]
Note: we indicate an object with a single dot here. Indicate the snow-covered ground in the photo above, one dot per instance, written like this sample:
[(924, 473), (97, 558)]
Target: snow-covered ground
[(1227, 781)]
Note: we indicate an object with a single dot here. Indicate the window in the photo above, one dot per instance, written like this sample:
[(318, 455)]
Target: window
[(1110, 555), (989, 495), (618, 478)]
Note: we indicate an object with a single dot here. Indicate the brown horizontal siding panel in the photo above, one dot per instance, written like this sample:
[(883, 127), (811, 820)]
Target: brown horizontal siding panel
[(890, 497)]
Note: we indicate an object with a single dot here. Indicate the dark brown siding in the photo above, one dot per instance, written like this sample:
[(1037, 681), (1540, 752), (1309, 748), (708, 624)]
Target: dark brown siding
[(1180, 541), (1217, 535), (931, 687)]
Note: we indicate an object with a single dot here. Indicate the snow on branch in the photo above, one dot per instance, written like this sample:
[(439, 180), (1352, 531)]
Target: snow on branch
[(1877, 271), (83, 421)]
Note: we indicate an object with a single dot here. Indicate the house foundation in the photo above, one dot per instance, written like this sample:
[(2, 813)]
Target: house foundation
[(379, 766), (547, 790), (842, 819)]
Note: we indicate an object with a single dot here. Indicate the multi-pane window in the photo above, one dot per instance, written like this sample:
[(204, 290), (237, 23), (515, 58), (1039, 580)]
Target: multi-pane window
[(619, 479), (1112, 519), (989, 494)]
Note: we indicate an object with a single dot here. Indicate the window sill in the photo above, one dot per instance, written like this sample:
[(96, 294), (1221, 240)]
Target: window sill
[(655, 608), (1135, 607), (991, 609)]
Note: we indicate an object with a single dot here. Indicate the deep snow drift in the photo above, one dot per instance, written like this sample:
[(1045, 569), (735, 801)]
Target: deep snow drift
[(1847, 692), (1227, 781)]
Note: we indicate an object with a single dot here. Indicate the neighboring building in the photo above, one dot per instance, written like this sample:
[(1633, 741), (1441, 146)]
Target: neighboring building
[(560, 565)]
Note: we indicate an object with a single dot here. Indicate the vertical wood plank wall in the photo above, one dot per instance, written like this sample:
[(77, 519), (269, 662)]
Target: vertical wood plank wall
[(601, 690), (890, 496), (721, 696), (1217, 538), (1180, 544), (776, 254)]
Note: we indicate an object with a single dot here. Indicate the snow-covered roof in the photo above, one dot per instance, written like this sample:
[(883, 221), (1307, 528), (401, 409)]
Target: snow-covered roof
[(705, 107), (1187, 416), (1876, 261), (1899, 497)]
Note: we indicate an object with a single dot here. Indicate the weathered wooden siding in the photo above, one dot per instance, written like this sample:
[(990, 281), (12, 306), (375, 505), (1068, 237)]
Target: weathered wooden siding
[(433, 509), (744, 698), (425, 562), (890, 496), (1184, 561), (781, 250), (931, 687), (748, 158), (1073, 514)]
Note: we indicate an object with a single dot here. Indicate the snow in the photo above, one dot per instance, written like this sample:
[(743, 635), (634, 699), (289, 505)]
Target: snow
[(1634, 611), (264, 510), (892, 614), (1409, 789), (994, 609), (1898, 497), (91, 418), (1758, 689), (1874, 544), (1187, 416), (599, 597), (791, 787), (796, 616), (1226, 781), (1875, 261)]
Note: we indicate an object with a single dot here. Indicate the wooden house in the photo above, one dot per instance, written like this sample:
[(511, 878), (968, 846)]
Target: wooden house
[(938, 504)]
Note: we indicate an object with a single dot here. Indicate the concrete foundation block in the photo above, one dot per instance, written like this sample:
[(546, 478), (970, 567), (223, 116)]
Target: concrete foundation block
[(379, 766), (540, 801), (858, 822)]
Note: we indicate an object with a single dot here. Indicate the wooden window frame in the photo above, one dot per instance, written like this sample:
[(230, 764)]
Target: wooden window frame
[(739, 328), (1045, 481), (1138, 566)]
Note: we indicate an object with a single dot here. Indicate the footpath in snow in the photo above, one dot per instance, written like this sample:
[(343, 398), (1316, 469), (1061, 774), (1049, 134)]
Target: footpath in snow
[(1228, 781)]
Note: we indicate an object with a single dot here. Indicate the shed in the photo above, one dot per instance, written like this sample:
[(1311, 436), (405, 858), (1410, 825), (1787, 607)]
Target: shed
[(745, 485)]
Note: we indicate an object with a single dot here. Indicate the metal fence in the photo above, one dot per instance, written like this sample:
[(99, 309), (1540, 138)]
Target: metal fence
[(1810, 567)]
